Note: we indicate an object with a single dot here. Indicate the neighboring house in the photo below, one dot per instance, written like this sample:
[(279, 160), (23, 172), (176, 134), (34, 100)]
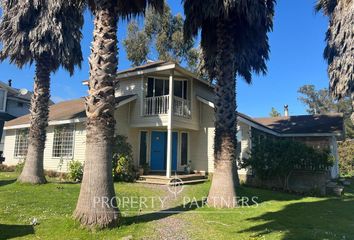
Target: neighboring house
[(13, 103), (166, 140)]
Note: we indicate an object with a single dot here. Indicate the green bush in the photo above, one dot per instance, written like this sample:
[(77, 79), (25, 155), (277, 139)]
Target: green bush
[(19, 167), (76, 171), (278, 158), (122, 162), (346, 158)]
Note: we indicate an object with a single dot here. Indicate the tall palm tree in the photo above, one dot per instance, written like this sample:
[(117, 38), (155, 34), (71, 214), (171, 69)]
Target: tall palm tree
[(48, 33), (339, 51), (234, 42), (97, 185)]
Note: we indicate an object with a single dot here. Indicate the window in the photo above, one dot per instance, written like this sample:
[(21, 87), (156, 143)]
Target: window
[(21, 143), (157, 87), (2, 100), (180, 89), (143, 148), (184, 148), (63, 141)]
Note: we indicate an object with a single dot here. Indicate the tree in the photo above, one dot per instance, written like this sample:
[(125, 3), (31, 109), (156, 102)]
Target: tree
[(339, 51), (321, 102), (164, 34), (97, 184), (47, 33), (234, 41), (274, 113)]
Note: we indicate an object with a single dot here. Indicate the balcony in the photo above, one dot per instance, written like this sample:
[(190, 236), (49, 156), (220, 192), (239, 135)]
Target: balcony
[(159, 105)]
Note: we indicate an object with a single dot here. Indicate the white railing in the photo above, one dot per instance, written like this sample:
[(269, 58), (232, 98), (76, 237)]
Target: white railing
[(181, 107), (156, 105), (159, 105)]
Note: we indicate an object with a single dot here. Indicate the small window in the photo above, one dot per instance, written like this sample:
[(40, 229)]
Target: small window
[(63, 141), (180, 89), (184, 149), (143, 148), (21, 143)]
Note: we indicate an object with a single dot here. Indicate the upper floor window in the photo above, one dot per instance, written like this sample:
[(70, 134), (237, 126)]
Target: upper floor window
[(63, 141), (21, 143), (157, 87), (2, 100), (180, 89)]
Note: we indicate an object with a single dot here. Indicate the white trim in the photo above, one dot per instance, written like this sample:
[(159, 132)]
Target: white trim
[(50, 123), (146, 71), (209, 103)]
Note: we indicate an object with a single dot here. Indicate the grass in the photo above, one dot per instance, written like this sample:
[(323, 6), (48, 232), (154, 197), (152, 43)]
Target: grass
[(275, 215)]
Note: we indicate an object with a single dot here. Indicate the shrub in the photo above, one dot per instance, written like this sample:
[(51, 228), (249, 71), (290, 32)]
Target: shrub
[(346, 158), (122, 162), (275, 158), (76, 171), (19, 167)]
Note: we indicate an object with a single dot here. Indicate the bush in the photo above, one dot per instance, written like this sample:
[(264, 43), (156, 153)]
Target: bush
[(19, 167), (76, 171), (122, 162), (274, 158), (346, 158), (5, 168)]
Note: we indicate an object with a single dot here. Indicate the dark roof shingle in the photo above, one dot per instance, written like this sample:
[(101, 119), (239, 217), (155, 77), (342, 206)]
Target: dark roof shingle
[(304, 124)]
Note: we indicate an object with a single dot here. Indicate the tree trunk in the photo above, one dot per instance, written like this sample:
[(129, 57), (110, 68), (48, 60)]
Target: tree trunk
[(352, 98), (33, 171), (97, 187), (223, 189)]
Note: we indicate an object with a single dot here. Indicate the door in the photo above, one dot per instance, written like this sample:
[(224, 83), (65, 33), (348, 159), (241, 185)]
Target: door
[(159, 151), (158, 145)]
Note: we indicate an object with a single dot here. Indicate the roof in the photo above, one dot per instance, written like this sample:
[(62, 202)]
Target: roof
[(67, 110), (305, 124), (6, 117)]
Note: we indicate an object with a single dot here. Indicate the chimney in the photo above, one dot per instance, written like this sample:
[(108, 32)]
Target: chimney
[(286, 110), (10, 82)]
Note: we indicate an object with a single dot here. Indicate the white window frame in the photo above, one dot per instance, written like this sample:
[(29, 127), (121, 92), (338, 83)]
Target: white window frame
[(73, 142), (16, 147)]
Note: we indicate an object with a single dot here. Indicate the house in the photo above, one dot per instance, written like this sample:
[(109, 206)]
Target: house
[(13, 103), (166, 140)]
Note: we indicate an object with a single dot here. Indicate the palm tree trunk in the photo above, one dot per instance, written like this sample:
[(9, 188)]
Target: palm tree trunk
[(33, 171), (222, 193), (352, 98), (97, 187)]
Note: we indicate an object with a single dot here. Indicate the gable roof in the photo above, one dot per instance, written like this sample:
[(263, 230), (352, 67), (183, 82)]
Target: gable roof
[(305, 124), (67, 110)]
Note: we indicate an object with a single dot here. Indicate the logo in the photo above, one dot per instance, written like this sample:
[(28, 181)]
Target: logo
[(175, 185)]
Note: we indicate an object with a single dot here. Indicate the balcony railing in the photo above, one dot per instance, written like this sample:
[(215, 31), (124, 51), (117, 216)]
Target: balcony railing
[(159, 105)]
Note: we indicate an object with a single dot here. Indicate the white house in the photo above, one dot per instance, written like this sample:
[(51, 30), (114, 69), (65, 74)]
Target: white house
[(167, 114)]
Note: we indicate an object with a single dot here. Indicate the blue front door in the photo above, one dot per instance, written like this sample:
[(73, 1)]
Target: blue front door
[(159, 151)]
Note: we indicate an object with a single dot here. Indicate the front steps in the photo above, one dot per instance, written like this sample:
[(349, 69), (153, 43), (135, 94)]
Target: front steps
[(163, 180)]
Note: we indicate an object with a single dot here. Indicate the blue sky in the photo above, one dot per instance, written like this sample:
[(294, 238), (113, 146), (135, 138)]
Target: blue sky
[(297, 44)]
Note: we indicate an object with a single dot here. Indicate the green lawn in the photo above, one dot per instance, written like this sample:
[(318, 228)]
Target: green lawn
[(275, 216)]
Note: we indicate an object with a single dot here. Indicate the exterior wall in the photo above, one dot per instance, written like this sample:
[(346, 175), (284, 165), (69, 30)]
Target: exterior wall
[(202, 141), (13, 108), (50, 163)]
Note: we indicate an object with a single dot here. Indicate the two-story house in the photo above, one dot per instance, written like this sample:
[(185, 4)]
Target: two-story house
[(13, 103), (167, 114)]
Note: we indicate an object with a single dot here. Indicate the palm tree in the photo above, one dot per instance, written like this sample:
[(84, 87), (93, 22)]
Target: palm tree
[(234, 41), (47, 33), (97, 185), (340, 46)]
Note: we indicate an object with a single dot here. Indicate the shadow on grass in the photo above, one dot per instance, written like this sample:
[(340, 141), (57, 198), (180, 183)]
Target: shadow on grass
[(148, 217), (13, 231), (6, 182), (331, 218)]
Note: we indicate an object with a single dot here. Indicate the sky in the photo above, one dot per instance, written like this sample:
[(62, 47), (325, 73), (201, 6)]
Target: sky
[(296, 58)]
